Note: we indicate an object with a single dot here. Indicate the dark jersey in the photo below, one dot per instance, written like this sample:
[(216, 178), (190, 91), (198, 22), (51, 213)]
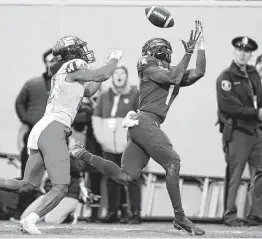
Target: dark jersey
[(156, 91)]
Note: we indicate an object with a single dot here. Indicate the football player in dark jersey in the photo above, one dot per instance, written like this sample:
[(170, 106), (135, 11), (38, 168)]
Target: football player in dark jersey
[(159, 85)]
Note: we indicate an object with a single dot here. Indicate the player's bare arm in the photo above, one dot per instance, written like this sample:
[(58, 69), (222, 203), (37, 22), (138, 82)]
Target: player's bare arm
[(92, 88), (97, 75), (193, 75)]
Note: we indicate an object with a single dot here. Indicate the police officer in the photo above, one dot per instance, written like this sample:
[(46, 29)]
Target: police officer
[(259, 66), (239, 97)]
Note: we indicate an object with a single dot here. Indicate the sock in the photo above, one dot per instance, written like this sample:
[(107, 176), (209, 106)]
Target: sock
[(32, 218), (179, 215), (172, 184)]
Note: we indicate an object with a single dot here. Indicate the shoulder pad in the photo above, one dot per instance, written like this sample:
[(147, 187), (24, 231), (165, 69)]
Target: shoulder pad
[(145, 62), (74, 65)]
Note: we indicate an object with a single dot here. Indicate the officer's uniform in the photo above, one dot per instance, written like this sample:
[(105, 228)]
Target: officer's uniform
[(239, 96), (259, 59), (259, 66)]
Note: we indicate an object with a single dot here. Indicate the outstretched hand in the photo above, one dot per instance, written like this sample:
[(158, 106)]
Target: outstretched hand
[(194, 37)]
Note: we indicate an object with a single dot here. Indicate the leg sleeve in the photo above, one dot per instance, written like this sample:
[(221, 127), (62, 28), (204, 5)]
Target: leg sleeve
[(61, 211)]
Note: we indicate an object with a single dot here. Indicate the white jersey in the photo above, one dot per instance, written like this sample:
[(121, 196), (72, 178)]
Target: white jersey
[(63, 102), (65, 97)]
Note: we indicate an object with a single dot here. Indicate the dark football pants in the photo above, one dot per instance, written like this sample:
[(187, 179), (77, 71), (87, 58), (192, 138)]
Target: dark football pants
[(242, 149), (148, 140), (117, 192)]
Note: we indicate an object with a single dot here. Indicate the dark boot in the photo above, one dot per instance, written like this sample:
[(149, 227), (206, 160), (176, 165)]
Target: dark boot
[(110, 218), (94, 215), (124, 216), (135, 218)]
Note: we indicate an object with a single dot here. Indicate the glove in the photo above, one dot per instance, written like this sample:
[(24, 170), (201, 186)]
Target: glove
[(87, 195), (130, 120), (201, 41), (194, 36), (114, 54), (77, 150)]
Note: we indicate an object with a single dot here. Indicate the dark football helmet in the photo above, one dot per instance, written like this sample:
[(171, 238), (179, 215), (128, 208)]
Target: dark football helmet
[(71, 47), (158, 48)]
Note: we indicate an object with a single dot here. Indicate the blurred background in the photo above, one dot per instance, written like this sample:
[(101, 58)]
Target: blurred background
[(28, 28)]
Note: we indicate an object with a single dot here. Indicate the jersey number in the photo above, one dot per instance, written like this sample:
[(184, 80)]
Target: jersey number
[(170, 92)]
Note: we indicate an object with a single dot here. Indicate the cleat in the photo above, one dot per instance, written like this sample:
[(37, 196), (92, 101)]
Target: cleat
[(187, 226), (29, 228)]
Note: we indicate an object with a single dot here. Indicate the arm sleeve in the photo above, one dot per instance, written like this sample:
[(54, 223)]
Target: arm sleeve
[(92, 88), (193, 75), (148, 67)]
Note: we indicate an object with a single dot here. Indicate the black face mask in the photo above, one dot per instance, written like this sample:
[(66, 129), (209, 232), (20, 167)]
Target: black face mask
[(163, 56)]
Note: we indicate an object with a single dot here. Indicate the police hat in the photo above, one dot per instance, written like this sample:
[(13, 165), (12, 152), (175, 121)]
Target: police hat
[(259, 59), (245, 43)]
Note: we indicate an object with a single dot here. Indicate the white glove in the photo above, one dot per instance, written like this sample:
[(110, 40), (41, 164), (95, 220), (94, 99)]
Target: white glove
[(130, 120), (201, 40), (114, 54)]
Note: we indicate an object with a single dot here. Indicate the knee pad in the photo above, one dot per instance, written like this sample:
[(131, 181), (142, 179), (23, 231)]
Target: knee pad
[(124, 178), (26, 187), (173, 168)]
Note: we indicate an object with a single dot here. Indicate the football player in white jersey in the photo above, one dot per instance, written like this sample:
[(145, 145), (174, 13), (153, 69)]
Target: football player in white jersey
[(48, 140)]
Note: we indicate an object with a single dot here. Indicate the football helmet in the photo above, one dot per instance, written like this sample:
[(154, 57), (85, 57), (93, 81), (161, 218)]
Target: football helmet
[(158, 48), (71, 47)]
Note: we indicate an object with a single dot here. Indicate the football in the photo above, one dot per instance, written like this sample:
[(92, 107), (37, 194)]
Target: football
[(159, 17)]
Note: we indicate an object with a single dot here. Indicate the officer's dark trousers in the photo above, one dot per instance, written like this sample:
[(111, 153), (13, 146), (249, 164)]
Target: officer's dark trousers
[(243, 148), (116, 192)]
